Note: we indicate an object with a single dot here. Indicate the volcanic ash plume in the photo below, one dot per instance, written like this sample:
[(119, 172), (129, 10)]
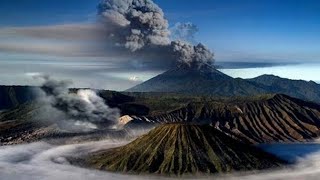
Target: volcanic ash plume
[(184, 32), (82, 110), (192, 55), (140, 27), (138, 23)]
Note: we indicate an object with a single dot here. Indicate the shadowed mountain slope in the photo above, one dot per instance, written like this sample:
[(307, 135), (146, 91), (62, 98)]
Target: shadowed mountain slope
[(276, 118), (209, 81), (13, 96), (204, 81), (183, 149), (307, 90)]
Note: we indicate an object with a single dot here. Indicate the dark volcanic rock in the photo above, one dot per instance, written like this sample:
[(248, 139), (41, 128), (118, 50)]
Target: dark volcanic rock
[(183, 149)]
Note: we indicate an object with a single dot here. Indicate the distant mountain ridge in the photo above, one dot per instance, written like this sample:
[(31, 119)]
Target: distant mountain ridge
[(209, 81), (205, 81), (307, 90)]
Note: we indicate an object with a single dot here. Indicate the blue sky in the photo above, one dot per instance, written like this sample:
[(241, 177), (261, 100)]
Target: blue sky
[(263, 31), (45, 12), (246, 30)]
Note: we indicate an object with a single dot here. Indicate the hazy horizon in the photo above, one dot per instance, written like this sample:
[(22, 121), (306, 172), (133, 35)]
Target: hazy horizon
[(82, 74)]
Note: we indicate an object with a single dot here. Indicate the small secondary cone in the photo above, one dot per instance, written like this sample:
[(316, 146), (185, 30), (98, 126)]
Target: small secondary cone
[(177, 149)]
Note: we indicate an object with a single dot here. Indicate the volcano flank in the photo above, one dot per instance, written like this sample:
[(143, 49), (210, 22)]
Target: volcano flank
[(207, 80), (177, 149)]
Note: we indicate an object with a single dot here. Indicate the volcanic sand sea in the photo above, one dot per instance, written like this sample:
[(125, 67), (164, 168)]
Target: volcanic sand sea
[(43, 161)]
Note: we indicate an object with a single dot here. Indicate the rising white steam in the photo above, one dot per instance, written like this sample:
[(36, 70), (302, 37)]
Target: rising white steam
[(82, 110)]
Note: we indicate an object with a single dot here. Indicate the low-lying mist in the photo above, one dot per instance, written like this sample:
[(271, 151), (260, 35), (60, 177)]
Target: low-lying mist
[(45, 161), (42, 161)]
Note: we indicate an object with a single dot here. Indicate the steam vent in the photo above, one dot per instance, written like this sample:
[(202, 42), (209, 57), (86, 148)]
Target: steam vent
[(180, 149)]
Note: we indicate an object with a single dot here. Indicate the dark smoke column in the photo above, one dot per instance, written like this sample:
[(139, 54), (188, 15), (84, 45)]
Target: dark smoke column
[(140, 27), (192, 56), (136, 23)]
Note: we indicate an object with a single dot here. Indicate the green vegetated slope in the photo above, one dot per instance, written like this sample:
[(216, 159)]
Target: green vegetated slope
[(183, 149)]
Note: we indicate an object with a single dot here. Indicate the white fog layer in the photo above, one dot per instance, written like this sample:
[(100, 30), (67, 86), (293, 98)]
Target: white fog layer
[(42, 161)]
